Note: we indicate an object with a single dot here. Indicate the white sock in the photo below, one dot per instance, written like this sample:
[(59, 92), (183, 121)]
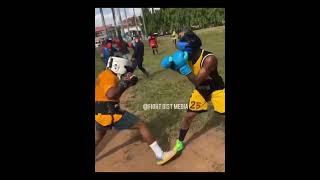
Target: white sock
[(156, 149)]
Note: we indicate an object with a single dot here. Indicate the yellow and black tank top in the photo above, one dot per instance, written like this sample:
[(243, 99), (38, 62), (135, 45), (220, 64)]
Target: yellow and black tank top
[(214, 80)]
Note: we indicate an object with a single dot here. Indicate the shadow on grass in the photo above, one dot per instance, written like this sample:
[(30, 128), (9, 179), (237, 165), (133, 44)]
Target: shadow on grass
[(105, 140), (130, 141), (215, 121), (159, 125), (156, 73)]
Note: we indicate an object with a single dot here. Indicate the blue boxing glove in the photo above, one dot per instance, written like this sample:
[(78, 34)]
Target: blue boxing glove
[(167, 62), (180, 60), (177, 62)]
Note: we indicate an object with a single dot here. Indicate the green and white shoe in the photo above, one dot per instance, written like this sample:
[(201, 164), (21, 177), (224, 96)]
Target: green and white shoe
[(179, 146)]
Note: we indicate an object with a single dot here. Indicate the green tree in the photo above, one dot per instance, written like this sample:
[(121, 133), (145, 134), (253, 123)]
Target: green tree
[(167, 19)]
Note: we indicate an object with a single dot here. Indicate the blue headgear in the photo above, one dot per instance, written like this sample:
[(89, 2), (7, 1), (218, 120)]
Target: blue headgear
[(184, 46), (188, 42)]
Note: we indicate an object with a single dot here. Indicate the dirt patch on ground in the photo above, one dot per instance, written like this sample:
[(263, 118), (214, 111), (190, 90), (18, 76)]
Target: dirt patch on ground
[(125, 152)]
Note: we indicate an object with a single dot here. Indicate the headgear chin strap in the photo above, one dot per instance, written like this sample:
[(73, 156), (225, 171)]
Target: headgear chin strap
[(184, 46)]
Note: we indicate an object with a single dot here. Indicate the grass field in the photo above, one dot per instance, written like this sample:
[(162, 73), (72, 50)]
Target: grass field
[(169, 87)]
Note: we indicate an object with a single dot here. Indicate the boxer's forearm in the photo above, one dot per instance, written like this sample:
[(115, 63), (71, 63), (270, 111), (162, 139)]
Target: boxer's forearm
[(114, 93), (193, 80)]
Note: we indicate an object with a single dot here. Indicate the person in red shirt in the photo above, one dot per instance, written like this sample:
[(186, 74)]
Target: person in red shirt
[(153, 43), (105, 44)]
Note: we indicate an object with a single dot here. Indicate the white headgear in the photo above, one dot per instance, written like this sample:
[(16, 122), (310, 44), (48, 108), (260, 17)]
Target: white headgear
[(117, 65)]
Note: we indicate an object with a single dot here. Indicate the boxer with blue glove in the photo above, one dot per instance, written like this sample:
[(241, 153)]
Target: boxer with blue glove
[(209, 85)]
